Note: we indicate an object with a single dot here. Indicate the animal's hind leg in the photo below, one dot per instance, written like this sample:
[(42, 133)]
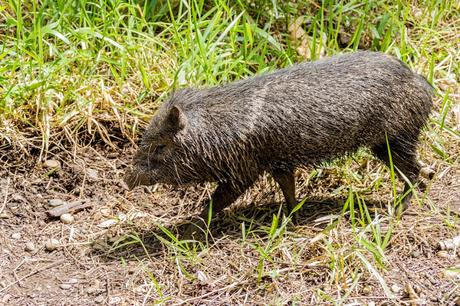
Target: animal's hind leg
[(404, 157), (286, 181)]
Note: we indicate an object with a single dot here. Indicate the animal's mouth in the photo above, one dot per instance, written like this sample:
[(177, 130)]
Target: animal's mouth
[(134, 178)]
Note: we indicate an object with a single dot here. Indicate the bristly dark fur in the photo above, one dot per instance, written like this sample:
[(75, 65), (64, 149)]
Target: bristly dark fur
[(279, 121)]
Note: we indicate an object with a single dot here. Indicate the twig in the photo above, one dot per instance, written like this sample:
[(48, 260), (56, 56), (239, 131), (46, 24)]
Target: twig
[(33, 273), (76, 205), (6, 195), (414, 299)]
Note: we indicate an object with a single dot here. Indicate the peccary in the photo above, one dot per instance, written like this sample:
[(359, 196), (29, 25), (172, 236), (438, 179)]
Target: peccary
[(277, 122)]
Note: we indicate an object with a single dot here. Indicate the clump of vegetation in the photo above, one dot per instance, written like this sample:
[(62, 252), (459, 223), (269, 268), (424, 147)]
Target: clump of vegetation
[(78, 72), (84, 69)]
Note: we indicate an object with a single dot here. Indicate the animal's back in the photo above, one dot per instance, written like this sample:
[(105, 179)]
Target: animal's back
[(315, 111)]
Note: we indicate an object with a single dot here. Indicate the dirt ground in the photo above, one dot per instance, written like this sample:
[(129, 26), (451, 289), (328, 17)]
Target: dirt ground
[(101, 260)]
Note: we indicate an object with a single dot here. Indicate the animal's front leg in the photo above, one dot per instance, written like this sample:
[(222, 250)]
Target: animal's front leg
[(224, 195)]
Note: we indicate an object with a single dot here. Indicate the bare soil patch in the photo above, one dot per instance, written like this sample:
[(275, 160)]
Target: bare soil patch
[(113, 252)]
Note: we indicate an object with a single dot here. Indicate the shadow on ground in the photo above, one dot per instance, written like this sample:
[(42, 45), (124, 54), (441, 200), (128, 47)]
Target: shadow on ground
[(139, 242)]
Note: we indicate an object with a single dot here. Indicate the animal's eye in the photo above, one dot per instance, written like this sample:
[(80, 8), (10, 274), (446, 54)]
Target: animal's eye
[(159, 148)]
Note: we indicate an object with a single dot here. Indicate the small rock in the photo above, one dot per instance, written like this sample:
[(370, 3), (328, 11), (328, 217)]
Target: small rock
[(417, 288), (16, 236), (107, 223), (56, 202), (442, 254), (105, 212), (67, 218), (367, 290), (72, 281), (6, 298), (445, 254), (450, 244), (202, 277), (395, 288), (92, 174), (4, 216), (450, 78), (416, 254), (52, 163), (115, 300), (30, 246), (453, 273), (65, 286), (90, 290), (100, 299), (121, 217), (52, 244)]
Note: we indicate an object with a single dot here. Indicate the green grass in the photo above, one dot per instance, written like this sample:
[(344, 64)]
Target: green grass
[(85, 67), (81, 72)]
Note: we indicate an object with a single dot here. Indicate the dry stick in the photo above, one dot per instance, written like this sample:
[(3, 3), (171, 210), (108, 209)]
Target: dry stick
[(6, 195), (15, 269), (33, 273), (414, 299), (76, 205)]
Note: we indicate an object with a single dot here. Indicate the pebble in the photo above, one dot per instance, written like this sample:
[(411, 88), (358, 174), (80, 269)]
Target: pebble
[(94, 288), (450, 244), (4, 216), (202, 277), (100, 299), (92, 174), (445, 254), (416, 254), (72, 281), (52, 244), (367, 290), (65, 286), (67, 218), (105, 212), (107, 223), (30, 246), (52, 163), (395, 288), (6, 298), (115, 300), (452, 274), (16, 236), (56, 202)]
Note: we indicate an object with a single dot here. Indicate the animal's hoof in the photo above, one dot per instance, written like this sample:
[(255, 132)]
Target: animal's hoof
[(427, 172), (194, 231)]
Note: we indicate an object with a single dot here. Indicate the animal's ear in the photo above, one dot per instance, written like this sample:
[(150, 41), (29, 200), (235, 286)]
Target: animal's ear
[(176, 119)]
